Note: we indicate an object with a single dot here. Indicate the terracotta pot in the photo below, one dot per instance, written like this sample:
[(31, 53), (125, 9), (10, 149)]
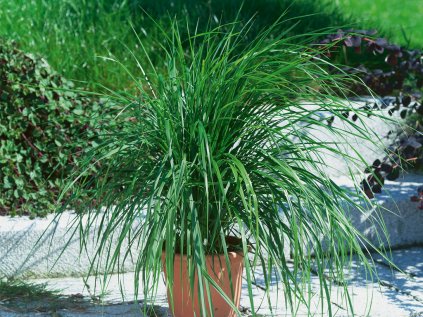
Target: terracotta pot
[(185, 305)]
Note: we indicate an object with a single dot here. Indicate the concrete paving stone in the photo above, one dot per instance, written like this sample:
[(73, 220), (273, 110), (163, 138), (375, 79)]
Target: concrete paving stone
[(398, 294), (402, 218), (409, 260)]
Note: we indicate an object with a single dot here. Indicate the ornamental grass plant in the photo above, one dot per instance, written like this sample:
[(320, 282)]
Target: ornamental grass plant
[(215, 147)]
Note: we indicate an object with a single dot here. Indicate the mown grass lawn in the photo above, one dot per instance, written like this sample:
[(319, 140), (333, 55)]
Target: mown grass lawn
[(75, 35), (394, 16)]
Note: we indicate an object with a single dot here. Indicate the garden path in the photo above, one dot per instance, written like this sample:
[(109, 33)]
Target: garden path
[(398, 294)]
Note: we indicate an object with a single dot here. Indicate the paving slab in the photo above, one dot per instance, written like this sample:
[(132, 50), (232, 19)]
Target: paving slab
[(402, 219), (398, 292), (48, 247)]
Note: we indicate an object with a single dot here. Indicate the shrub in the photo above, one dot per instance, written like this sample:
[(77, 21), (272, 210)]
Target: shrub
[(44, 127), (406, 151), (384, 67)]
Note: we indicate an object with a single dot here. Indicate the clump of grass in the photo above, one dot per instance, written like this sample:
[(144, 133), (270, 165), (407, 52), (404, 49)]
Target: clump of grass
[(218, 146), (11, 290), (21, 296)]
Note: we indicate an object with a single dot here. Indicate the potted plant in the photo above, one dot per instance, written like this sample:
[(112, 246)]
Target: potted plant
[(212, 161)]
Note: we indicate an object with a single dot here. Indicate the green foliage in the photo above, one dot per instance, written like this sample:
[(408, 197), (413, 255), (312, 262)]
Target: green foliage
[(17, 289), (401, 19), (23, 298), (73, 35), (44, 127), (217, 146)]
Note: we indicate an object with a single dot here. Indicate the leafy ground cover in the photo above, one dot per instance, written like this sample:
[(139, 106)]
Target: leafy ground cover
[(44, 127)]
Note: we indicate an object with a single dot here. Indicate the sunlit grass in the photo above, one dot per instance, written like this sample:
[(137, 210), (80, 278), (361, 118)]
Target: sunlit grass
[(73, 35), (21, 290), (396, 17)]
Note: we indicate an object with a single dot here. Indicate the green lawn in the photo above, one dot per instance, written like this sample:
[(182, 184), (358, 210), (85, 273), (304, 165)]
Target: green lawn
[(74, 35), (391, 15)]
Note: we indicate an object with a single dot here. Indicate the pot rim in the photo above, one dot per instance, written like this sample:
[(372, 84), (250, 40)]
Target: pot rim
[(232, 254)]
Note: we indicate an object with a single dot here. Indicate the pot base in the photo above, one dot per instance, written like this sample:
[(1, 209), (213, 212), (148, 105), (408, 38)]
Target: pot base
[(186, 305)]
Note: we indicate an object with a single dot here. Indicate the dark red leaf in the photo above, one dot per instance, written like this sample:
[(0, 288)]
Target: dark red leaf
[(406, 100), (376, 163), (369, 193), (377, 189), (387, 168), (394, 174)]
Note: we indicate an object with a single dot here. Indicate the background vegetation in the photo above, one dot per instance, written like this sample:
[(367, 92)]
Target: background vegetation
[(44, 127), (396, 17), (72, 34)]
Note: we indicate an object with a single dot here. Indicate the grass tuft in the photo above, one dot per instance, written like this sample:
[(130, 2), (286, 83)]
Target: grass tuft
[(22, 290), (221, 144)]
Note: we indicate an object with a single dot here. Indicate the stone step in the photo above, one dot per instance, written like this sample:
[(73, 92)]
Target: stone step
[(27, 249)]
